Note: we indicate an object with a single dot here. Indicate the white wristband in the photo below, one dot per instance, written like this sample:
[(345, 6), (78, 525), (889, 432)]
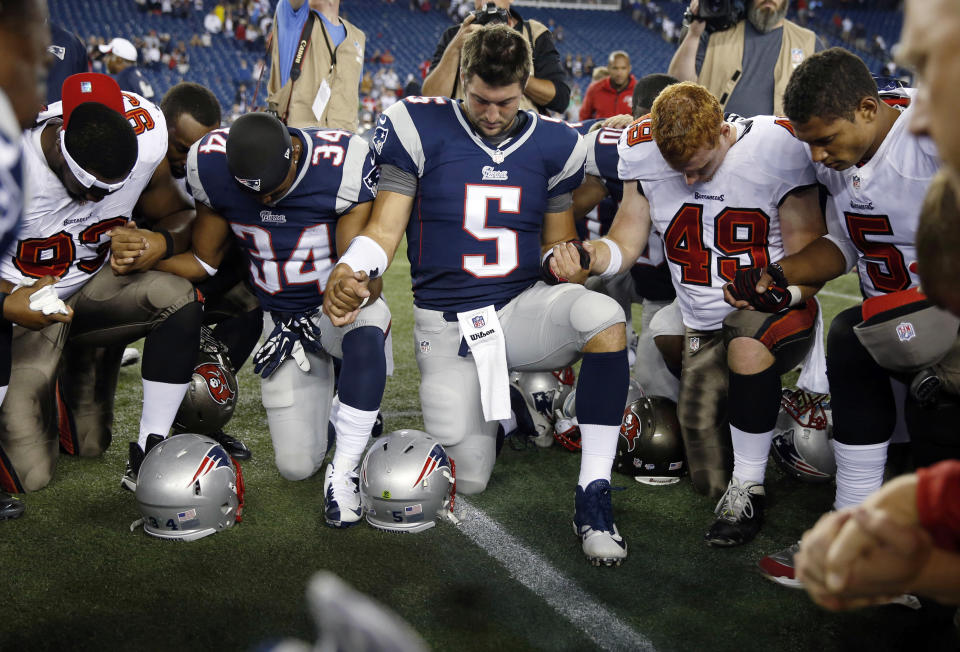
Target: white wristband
[(365, 255), (795, 296), (616, 258), (211, 271)]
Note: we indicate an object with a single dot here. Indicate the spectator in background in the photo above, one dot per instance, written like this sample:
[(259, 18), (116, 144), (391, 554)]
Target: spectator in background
[(212, 23), (748, 65), (69, 57), (547, 87), (322, 89), (588, 66), (611, 96), (121, 62), (578, 66)]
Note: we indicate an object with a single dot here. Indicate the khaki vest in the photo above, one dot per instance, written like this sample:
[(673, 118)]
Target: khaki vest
[(294, 101), (722, 67), (533, 29)]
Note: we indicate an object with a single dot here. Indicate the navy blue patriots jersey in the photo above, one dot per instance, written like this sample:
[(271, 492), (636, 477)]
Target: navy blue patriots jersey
[(131, 79), (474, 236), (291, 245), (11, 176), (69, 56)]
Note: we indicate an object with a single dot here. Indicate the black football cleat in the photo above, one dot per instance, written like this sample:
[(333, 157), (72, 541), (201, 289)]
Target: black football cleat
[(135, 459), (740, 515), (234, 447), (10, 506)]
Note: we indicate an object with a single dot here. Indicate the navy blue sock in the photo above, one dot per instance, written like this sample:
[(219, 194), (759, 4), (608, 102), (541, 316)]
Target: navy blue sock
[(602, 388), (364, 371), (240, 334)]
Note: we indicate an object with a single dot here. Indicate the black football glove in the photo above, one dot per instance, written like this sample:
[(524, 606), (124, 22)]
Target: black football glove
[(744, 288)]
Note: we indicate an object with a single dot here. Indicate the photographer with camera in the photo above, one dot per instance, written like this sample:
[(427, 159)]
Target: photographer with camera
[(547, 86), (743, 51)]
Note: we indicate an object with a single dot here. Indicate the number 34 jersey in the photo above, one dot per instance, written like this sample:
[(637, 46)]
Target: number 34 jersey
[(474, 236), (66, 237), (291, 245), (731, 221), (874, 209)]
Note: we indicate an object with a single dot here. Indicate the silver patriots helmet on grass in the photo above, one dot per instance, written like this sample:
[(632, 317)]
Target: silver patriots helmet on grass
[(407, 482), (188, 487)]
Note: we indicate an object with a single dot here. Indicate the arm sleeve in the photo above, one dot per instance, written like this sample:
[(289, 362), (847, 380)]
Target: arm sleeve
[(938, 502), (397, 180), (547, 65)]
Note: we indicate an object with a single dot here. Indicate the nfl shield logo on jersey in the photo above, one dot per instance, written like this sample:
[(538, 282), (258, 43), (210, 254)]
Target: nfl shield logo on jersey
[(905, 331), (478, 321), (694, 344), (856, 182)]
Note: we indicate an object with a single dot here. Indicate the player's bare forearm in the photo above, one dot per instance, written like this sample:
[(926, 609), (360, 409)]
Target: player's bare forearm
[(818, 262), (185, 265), (630, 229), (17, 310), (345, 293), (180, 227), (388, 221)]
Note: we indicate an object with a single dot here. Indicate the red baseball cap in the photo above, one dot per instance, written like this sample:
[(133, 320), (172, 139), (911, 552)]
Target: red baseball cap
[(90, 87)]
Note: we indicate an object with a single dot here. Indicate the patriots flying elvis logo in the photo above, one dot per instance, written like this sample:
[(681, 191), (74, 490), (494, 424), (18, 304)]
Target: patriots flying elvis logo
[(214, 459), (436, 458)]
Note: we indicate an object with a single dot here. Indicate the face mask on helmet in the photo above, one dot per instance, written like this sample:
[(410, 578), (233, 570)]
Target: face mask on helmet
[(543, 394), (650, 446), (407, 482), (801, 439), (213, 390), (566, 427), (188, 487)]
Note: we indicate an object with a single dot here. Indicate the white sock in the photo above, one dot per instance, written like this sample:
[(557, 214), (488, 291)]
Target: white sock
[(3, 393), (859, 471), (598, 447), (160, 404), (509, 425), (353, 431), (750, 453)]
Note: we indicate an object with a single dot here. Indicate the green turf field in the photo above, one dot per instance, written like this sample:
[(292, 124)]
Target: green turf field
[(76, 577)]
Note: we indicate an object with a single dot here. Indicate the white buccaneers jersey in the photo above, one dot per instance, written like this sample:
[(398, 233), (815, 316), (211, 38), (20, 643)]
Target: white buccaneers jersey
[(874, 209), (732, 221), (65, 237)]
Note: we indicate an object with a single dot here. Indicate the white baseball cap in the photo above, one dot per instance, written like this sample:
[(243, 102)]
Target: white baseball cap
[(122, 48)]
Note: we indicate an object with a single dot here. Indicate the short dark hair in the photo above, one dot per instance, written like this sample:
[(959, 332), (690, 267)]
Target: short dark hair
[(497, 54), (828, 85), (13, 12), (193, 99), (101, 140), (647, 89)]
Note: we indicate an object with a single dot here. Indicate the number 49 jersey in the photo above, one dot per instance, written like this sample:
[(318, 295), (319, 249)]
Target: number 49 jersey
[(875, 208), (731, 221), (65, 237), (475, 232), (291, 245)]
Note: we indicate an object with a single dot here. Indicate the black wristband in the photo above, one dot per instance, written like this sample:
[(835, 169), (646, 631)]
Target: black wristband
[(169, 240)]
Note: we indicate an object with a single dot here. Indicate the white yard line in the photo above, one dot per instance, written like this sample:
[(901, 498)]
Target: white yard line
[(529, 568), (856, 298)]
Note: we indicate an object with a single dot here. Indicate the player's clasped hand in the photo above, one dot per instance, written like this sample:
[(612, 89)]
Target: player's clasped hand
[(758, 288), (345, 294), (569, 262), (133, 249), (292, 335)]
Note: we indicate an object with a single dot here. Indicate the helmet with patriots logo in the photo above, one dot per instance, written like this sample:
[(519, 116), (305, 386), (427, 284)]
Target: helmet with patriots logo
[(407, 482), (802, 438), (189, 487)]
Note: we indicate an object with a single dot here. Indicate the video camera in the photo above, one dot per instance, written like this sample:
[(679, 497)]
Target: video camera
[(719, 15), (491, 14)]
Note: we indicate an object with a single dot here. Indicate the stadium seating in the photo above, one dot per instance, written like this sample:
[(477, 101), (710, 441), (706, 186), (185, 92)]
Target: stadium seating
[(410, 35)]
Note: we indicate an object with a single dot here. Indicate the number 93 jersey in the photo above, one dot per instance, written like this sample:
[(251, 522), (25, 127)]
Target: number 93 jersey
[(731, 221), (65, 237), (290, 245), (475, 232)]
